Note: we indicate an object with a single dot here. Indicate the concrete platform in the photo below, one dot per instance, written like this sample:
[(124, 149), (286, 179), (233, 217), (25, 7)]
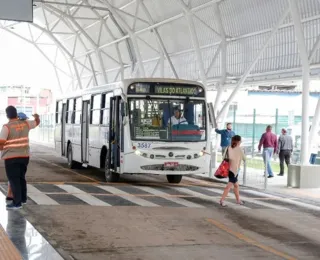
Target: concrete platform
[(144, 217)]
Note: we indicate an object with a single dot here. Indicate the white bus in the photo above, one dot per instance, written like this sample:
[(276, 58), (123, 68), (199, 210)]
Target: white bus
[(130, 127)]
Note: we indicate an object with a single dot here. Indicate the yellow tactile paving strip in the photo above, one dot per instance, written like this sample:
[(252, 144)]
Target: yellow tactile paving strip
[(7, 249)]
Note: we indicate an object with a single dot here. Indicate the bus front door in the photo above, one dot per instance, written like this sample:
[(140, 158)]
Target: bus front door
[(63, 129), (85, 131), (114, 137)]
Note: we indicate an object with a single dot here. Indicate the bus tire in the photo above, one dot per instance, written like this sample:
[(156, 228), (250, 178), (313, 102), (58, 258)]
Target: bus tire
[(71, 163), (174, 178), (109, 175)]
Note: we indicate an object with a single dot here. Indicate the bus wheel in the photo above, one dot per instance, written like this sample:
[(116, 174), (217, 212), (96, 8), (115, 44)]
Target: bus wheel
[(71, 163), (174, 178), (109, 175)]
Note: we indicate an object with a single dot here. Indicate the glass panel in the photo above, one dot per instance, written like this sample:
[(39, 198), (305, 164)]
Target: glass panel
[(78, 111), (70, 110), (105, 117), (96, 117), (107, 100), (168, 120), (96, 102)]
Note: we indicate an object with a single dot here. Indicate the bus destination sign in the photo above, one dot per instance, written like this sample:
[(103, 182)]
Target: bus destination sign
[(166, 89), (176, 90)]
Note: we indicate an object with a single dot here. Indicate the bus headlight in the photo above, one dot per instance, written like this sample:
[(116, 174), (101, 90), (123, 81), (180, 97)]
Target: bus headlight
[(137, 152), (197, 155)]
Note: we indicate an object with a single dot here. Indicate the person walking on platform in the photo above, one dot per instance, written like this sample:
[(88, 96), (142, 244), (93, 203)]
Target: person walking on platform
[(285, 149), (314, 151), (269, 142), (21, 116), (14, 143), (235, 156), (226, 135)]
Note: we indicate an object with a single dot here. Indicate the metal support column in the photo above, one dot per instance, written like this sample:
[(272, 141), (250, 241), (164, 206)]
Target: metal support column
[(253, 131), (254, 62), (195, 41), (277, 122), (305, 80), (234, 119), (315, 124)]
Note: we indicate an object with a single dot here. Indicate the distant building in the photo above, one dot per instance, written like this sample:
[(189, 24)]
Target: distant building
[(25, 99)]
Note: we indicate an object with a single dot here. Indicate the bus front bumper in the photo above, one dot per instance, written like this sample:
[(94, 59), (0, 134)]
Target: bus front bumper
[(137, 164)]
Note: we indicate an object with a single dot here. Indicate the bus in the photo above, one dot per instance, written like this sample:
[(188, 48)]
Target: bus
[(137, 126)]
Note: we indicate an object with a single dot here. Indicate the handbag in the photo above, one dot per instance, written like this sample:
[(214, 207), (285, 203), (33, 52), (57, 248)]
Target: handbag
[(223, 169)]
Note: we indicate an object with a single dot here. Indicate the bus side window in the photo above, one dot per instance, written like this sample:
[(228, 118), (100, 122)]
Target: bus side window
[(58, 112), (70, 109), (105, 108), (78, 111), (95, 109)]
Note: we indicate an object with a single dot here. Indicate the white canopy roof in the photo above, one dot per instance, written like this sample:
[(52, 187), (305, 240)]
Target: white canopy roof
[(102, 41)]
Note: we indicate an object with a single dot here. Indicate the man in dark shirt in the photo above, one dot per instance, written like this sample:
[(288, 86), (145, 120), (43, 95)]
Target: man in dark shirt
[(269, 142), (226, 135), (285, 148)]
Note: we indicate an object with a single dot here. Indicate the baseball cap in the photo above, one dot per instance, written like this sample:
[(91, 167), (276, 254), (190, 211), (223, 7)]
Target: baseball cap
[(22, 116)]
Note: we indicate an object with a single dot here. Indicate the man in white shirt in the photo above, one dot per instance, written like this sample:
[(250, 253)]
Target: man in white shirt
[(177, 118)]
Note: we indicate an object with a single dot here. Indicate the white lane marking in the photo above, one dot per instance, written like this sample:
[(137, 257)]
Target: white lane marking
[(195, 180), (289, 201), (80, 194), (164, 195), (39, 197), (206, 197), (261, 203), (128, 196)]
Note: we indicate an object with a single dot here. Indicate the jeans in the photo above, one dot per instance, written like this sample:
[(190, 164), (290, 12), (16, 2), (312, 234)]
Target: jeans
[(313, 158), (16, 169), (267, 155), (284, 156)]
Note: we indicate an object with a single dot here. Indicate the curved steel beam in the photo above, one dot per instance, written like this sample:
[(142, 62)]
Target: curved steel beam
[(132, 36), (85, 34)]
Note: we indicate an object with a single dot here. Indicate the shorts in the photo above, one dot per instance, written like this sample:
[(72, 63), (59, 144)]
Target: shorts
[(232, 177)]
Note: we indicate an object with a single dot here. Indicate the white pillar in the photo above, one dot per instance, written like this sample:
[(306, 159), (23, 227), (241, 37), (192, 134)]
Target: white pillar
[(304, 155), (315, 124)]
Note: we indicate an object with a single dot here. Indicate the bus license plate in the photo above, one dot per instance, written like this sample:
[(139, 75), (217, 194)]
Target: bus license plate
[(171, 164)]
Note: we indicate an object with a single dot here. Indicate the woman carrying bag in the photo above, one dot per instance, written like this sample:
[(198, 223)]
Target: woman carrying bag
[(235, 155)]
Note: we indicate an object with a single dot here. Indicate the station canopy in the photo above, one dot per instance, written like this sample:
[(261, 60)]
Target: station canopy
[(216, 42)]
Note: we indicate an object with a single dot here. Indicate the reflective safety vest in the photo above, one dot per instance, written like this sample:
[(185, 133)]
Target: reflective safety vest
[(17, 144)]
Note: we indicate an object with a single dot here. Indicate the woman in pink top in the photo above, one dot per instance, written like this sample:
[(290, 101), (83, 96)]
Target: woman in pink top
[(235, 155)]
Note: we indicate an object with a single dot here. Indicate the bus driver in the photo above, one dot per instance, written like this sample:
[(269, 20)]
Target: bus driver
[(177, 118)]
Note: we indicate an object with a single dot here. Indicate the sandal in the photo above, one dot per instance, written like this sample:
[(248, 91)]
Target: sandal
[(222, 203), (240, 202)]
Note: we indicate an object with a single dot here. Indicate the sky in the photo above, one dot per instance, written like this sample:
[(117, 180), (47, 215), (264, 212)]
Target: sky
[(22, 63)]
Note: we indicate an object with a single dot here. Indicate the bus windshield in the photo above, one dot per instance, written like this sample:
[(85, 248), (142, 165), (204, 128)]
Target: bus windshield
[(167, 119)]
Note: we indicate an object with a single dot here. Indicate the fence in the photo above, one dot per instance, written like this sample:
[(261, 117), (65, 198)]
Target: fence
[(45, 132)]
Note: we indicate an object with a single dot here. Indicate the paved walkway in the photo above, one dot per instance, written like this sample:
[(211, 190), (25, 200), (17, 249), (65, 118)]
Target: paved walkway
[(26, 241)]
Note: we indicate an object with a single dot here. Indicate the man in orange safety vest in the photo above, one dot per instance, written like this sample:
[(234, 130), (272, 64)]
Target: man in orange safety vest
[(14, 143)]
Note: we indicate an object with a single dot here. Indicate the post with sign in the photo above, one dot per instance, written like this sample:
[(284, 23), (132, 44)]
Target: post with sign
[(16, 10)]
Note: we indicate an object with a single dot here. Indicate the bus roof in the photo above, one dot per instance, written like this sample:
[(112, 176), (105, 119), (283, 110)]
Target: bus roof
[(124, 84)]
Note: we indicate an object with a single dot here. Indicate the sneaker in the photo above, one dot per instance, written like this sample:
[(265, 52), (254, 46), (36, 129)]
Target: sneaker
[(222, 203), (9, 199), (241, 202), (270, 176), (13, 207)]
